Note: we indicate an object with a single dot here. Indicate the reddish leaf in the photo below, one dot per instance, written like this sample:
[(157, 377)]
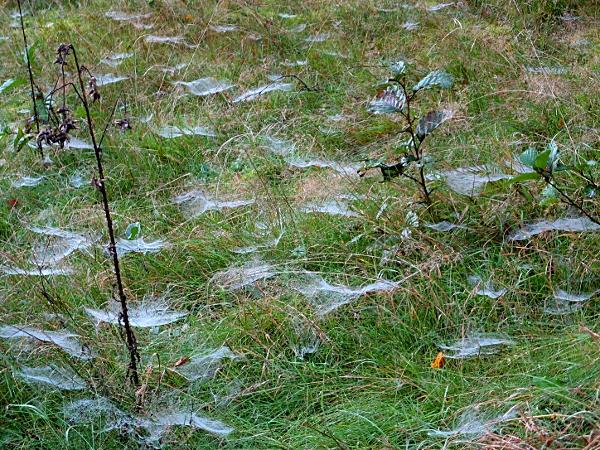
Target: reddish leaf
[(439, 361), (181, 361)]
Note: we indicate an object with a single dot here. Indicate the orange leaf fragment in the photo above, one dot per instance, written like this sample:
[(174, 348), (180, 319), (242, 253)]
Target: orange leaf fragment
[(439, 361), (181, 361)]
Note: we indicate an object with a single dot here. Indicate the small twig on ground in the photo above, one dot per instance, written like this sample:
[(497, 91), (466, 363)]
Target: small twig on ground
[(305, 86)]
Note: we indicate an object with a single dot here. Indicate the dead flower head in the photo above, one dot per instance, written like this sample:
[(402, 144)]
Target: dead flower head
[(61, 54), (93, 92)]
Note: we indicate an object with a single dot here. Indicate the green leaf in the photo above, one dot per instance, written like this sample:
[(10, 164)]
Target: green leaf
[(524, 177), (11, 83), (525, 193), (549, 196), (133, 231), (553, 158), (398, 67), (527, 158), (23, 142), (42, 110), (21, 139), (426, 161), (559, 167), (299, 251), (435, 78), (18, 137), (406, 144), (553, 149), (541, 161), (30, 54), (392, 171), (590, 191)]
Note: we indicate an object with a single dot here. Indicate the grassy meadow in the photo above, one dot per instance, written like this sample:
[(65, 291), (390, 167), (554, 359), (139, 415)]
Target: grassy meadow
[(360, 376)]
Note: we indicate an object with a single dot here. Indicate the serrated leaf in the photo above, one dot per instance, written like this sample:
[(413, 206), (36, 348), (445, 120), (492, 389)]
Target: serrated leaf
[(412, 219), (527, 158), (436, 78), (390, 101), (524, 177), (431, 121), (11, 83), (133, 231)]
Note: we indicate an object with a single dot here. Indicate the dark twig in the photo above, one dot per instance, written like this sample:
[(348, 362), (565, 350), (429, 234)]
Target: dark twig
[(415, 143), (71, 84), (567, 198), (296, 77), (108, 122), (410, 177), (36, 117), (64, 93), (389, 171), (131, 341)]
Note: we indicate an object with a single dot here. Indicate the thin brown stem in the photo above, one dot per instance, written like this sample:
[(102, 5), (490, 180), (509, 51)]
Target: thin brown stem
[(108, 122), (416, 144), (305, 86), (587, 178), (48, 101), (410, 177), (112, 247), (56, 89), (36, 117), (567, 198), (64, 93)]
